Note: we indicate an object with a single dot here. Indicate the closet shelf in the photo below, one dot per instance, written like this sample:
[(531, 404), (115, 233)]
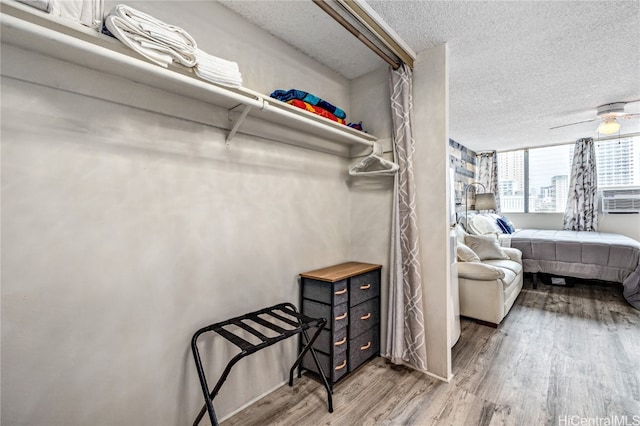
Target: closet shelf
[(51, 36)]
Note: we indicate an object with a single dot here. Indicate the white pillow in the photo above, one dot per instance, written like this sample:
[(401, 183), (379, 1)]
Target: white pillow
[(465, 254), (485, 246), (463, 219), (481, 224), (460, 233)]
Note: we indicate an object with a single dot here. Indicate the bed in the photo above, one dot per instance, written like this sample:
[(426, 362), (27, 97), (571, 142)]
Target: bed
[(582, 254), (579, 254)]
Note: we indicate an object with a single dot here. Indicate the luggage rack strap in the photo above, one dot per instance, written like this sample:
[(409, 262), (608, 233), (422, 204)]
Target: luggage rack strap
[(266, 318), (251, 330)]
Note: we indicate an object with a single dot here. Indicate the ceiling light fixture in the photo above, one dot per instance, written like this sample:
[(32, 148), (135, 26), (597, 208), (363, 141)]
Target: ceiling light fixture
[(608, 126)]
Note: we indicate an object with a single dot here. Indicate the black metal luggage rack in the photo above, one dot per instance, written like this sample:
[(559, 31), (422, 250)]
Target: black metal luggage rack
[(265, 317)]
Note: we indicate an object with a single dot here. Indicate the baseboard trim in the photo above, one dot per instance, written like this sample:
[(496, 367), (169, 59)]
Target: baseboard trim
[(428, 373), (254, 400)]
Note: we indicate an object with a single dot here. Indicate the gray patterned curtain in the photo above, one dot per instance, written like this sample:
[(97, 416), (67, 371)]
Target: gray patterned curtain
[(487, 174), (581, 213), (405, 327)]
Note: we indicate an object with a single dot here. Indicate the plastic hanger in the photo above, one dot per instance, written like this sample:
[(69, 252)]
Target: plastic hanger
[(374, 164)]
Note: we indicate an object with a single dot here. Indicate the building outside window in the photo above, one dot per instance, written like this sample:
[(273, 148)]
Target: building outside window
[(511, 181), (549, 172), (618, 162)]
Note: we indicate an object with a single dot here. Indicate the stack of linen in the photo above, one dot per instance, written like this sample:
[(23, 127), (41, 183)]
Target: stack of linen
[(316, 110), (218, 70), (164, 44), (43, 5), (314, 104), (311, 103), (159, 42), (86, 12)]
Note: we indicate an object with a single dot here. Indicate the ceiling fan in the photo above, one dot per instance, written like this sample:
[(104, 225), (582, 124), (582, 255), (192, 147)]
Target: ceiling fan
[(608, 114)]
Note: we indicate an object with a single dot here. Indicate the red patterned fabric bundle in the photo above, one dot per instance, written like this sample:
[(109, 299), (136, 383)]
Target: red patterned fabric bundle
[(316, 110)]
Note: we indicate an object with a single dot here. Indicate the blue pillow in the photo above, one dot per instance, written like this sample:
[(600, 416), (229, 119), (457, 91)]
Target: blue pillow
[(509, 224), (505, 225)]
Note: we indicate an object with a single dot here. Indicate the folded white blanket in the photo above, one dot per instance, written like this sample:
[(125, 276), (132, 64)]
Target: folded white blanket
[(163, 44), (43, 5), (217, 70), (157, 41), (87, 12)]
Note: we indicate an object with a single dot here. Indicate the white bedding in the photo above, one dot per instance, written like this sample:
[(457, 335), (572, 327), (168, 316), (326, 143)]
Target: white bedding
[(582, 254)]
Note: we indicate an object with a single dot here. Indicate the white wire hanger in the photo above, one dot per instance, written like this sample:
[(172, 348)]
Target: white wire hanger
[(374, 164)]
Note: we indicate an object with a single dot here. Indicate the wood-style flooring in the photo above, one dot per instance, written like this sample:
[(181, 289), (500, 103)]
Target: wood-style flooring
[(563, 356)]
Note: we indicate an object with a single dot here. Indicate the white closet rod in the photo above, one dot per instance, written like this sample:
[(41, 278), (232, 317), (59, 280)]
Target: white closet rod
[(260, 103)]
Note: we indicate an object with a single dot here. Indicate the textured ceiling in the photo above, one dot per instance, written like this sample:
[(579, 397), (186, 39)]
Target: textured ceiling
[(516, 68)]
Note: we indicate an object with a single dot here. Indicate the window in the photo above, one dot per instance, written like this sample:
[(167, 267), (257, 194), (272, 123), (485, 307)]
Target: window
[(511, 181), (618, 162), (544, 173), (549, 173)]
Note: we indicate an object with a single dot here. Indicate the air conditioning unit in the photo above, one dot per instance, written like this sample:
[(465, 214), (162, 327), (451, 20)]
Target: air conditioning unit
[(621, 200)]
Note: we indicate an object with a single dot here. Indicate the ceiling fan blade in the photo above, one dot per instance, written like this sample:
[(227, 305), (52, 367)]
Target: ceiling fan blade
[(573, 124), (628, 116)]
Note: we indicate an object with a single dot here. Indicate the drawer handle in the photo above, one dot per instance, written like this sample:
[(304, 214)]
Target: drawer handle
[(365, 347), (341, 317), (341, 342), (366, 317), (341, 366), (365, 287), (339, 292)]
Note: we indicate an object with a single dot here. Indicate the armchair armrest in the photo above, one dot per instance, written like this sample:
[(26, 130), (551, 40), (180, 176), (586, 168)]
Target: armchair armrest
[(479, 271), (513, 253)]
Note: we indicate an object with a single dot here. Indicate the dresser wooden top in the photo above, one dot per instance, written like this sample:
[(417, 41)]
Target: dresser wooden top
[(340, 272)]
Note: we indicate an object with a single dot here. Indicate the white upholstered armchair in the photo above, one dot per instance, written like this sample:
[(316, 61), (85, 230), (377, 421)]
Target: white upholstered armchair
[(489, 277)]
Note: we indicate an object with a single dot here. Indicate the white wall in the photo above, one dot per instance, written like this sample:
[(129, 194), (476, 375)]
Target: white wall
[(372, 197), (126, 230), (431, 118), (625, 224), (119, 243)]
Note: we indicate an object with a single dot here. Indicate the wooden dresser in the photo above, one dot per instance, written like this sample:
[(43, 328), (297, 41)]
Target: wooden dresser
[(348, 296)]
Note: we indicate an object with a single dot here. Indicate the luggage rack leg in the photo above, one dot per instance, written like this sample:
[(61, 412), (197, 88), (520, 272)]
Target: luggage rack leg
[(309, 347), (203, 382), (304, 323)]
